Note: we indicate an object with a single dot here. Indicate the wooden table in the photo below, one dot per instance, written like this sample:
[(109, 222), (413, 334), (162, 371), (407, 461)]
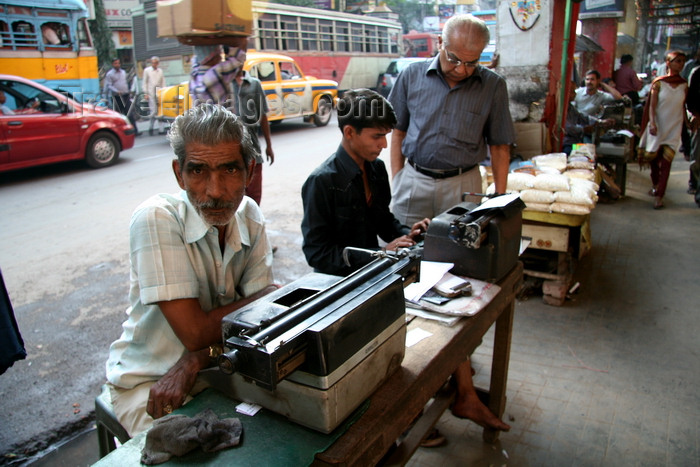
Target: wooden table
[(425, 368), (393, 408)]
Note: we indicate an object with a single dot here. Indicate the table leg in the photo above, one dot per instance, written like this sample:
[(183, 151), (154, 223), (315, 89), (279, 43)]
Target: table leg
[(499, 367)]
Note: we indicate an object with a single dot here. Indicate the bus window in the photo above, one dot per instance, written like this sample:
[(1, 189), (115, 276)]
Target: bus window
[(356, 36), (371, 39), (290, 33), (342, 36), (267, 28), (4, 35), (55, 34), (309, 34), (326, 27), (84, 37), (24, 34)]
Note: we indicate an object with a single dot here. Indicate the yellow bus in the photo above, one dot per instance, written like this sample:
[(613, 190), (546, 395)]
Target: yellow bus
[(48, 41)]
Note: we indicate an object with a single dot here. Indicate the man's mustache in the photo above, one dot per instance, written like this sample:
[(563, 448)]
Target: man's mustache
[(216, 204)]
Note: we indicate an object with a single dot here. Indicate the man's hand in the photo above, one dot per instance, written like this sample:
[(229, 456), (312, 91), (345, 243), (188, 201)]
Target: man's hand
[(170, 391), (397, 158), (403, 241), (213, 59), (419, 228), (270, 155), (407, 241)]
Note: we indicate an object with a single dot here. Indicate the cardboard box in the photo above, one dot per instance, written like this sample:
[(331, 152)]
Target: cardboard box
[(531, 140), (204, 18)]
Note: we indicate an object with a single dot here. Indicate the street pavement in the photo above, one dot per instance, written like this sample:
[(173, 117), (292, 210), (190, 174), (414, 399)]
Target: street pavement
[(65, 263)]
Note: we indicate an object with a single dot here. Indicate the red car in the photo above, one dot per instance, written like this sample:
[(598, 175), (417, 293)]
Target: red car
[(41, 126)]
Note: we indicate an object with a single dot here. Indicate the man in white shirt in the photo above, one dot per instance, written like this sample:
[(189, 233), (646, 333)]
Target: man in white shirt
[(590, 99), (153, 79), (196, 256)]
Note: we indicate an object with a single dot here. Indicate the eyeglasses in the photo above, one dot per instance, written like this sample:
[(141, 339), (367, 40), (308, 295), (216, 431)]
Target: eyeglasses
[(455, 62)]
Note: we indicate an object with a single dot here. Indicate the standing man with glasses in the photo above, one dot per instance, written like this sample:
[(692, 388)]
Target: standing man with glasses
[(451, 112)]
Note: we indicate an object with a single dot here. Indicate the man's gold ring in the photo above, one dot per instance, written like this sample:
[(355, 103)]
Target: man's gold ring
[(168, 408)]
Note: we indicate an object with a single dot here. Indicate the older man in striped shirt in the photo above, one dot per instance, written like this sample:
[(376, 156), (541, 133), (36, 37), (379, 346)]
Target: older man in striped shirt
[(196, 256)]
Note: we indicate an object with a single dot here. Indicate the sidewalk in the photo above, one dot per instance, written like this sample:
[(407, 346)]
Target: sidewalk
[(611, 378)]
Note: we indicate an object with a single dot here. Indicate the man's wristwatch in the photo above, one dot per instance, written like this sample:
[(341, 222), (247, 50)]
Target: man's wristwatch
[(214, 351)]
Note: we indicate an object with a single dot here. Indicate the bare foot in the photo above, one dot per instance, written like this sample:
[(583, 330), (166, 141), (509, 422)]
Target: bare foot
[(477, 412)]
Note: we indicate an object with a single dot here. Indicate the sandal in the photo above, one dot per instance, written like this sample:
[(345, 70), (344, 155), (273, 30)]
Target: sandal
[(659, 203)]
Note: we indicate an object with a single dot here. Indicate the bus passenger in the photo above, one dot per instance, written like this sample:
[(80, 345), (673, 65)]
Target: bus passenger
[(49, 34)]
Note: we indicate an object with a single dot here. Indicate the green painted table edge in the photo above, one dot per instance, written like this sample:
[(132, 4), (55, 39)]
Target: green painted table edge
[(269, 439)]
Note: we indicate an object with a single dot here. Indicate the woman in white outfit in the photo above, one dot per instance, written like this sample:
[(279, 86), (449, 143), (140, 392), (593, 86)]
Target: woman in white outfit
[(662, 124)]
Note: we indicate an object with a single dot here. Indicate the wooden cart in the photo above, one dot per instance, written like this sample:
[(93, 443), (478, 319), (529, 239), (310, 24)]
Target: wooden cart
[(558, 242)]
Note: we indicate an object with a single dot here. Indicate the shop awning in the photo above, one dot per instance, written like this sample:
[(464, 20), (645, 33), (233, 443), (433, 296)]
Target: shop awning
[(586, 44), (625, 39)]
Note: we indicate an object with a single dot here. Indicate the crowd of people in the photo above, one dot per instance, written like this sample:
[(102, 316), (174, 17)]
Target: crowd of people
[(665, 112)]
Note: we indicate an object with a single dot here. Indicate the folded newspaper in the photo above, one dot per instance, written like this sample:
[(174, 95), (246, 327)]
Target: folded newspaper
[(467, 305)]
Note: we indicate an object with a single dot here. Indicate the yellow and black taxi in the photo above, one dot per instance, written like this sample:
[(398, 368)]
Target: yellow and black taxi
[(288, 91)]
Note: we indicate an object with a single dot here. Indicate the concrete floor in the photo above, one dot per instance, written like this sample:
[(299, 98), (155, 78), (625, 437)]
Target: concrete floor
[(609, 379), (612, 377)]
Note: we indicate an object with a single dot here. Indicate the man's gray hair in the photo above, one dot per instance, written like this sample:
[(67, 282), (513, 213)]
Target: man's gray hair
[(211, 125), (155, 57), (464, 22)]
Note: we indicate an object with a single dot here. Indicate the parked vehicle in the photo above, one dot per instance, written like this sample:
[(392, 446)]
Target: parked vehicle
[(420, 44), (289, 93), (41, 126), (386, 80)]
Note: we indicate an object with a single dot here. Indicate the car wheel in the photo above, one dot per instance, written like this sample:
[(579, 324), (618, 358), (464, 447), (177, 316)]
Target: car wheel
[(323, 112), (102, 150)]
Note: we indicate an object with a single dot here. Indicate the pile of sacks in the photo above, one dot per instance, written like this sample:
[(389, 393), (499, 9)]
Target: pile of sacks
[(555, 183)]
